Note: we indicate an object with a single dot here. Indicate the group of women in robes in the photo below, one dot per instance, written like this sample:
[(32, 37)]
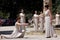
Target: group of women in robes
[(20, 24), (38, 21), (45, 22)]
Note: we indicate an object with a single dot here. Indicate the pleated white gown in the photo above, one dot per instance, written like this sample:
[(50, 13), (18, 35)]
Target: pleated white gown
[(57, 19), (35, 19), (41, 23), (49, 30), (22, 20)]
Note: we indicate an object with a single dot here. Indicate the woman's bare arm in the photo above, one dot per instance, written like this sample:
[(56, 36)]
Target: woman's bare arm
[(24, 24), (50, 16)]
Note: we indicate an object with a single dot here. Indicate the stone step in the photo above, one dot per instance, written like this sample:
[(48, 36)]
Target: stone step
[(11, 28)]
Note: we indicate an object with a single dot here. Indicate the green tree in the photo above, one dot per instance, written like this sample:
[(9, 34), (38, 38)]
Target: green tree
[(4, 15), (56, 6)]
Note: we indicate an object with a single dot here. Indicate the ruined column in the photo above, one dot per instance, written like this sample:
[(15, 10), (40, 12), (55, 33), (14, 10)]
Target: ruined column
[(47, 2)]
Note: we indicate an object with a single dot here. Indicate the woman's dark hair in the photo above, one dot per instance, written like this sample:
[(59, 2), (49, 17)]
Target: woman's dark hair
[(47, 6), (17, 18)]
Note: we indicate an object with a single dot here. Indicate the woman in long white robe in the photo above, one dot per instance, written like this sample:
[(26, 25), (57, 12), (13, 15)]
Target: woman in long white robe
[(41, 22), (22, 20), (16, 32), (35, 20), (57, 19), (49, 30)]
